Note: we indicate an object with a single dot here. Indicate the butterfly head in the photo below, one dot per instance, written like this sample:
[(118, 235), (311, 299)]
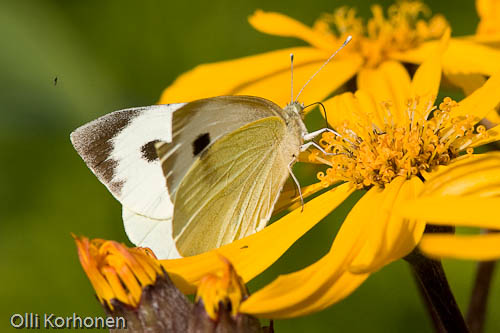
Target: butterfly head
[(295, 108)]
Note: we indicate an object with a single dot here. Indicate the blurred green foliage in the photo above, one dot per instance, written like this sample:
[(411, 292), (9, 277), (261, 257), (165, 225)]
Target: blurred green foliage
[(113, 54)]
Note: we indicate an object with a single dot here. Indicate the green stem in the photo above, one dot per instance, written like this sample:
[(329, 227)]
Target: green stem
[(432, 279)]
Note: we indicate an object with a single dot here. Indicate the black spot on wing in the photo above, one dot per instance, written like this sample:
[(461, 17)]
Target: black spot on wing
[(200, 143), (148, 151)]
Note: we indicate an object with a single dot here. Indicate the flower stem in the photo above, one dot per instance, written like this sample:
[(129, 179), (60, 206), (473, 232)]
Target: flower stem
[(432, 279), (479, 299)]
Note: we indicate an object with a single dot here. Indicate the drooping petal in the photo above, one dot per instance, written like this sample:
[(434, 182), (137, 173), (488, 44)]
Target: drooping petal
[(473, 211), (253, 254), (389, 237), (273, 23), (389, 82), (481, 101), (479, 247)]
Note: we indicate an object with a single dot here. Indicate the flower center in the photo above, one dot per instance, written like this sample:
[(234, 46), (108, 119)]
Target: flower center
[(368, 155), (401, 30)]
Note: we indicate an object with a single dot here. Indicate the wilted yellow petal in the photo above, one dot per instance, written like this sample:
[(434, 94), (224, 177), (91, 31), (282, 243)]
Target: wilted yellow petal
[(389, 82), (474, 211), (253, 254), (273, 23), (478, 247)]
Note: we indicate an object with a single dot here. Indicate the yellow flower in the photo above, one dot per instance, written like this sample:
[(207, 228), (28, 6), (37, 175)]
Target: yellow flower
[(117, 272), (401, 36), (389, 137)]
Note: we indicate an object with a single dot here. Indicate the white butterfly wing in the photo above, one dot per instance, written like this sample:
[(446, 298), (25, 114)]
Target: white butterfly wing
[(147, 232), (120, 150), (200, 123), (230, 191)]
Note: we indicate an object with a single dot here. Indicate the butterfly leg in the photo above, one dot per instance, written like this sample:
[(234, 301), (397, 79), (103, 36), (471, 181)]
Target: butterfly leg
[(296, 182), (312, 135), (305, 146)]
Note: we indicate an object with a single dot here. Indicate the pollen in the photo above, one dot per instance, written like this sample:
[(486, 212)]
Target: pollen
[(366, 155), (403, 27)]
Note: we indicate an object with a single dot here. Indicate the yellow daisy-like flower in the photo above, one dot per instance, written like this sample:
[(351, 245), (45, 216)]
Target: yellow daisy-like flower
[(387, 141), (401, 35)]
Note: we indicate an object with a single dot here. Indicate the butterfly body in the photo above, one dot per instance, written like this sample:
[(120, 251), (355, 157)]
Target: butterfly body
[(192, 177)]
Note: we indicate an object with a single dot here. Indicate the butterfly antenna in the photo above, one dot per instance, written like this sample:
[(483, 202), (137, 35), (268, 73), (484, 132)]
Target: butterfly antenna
[(291, 73), (347, 40)]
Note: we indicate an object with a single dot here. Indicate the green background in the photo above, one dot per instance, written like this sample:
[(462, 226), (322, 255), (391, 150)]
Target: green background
[(109, 55)]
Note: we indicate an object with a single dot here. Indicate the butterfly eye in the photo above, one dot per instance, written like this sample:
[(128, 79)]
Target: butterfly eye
[(148, 151), (200, 143)]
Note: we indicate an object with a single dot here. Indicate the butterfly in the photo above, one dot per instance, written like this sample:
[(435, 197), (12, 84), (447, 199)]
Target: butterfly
[(195, 176)]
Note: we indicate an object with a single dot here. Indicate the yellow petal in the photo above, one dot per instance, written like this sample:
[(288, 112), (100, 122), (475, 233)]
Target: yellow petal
[(489, 14), (327, 281), (253, 254), (291, 292), (265, 75), (477, 175), (329, 79), (389, 82), (389, 237), (229, 77), (480, 247), (359, 109), (343, 287), (289, 196), (462, 56), (467, 82), (281, 25), (425, 83), (474, 211), (481, 101)]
